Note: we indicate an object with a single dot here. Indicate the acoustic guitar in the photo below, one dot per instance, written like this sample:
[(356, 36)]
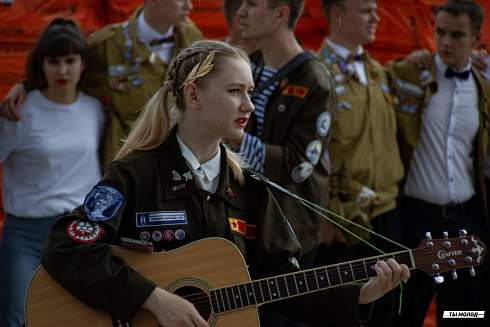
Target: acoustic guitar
[(212, 274)]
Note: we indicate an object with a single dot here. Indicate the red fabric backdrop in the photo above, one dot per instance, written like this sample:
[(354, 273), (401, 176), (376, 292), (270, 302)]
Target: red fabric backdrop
[(405, 25)]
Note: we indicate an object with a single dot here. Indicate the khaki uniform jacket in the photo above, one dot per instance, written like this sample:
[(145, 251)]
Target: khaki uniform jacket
[(129, 83), (297, 121), (155, 181), (412, 89), (363, 149)]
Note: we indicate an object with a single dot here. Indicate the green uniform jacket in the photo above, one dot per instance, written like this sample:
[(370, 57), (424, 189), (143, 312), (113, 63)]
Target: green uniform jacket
[(412, 89), (155, 182), (132, 74), (363, 149), (297, 122)]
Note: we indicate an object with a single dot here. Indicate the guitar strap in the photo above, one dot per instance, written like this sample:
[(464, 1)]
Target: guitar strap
[(262, 178)]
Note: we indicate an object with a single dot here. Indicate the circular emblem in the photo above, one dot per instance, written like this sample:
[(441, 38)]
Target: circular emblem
[(323, 123), (301, 172), (314, 151), (179, 234), (157, 236), (168, 235), (281, 108), (84, 231), (145, 236)]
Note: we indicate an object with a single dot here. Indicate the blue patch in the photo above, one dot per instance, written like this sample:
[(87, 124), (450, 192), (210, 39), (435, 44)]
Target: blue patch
[(103, 203), (160, 218), (323, 123)]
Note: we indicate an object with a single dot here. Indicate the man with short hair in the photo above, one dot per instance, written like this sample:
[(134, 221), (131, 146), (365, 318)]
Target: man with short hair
[(443, 123), (364, 154), (294, 105)]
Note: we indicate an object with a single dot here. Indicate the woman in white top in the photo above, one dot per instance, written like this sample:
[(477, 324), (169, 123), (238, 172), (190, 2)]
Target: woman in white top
[(49, 158)]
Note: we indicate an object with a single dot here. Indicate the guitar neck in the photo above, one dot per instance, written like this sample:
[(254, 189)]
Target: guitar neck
[(271, 289)]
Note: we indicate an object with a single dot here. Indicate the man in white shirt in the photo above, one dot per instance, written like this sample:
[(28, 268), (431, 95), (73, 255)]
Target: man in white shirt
[(443, 120)]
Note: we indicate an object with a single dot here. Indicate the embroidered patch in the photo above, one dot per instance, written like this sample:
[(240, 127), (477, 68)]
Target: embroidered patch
[(323, 123), (314, 151), (295, 91), (103, 203), (410, 88), (157, 236), (145, 236), (179, 234), (84, 231), (168, 235), (344, 104), (340, 89), (301, 172), (160, 218), (237, 225)]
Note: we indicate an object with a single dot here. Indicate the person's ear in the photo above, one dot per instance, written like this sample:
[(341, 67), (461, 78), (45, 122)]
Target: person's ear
[(478, 36), (191, 92), (336, 16), (283, 14)]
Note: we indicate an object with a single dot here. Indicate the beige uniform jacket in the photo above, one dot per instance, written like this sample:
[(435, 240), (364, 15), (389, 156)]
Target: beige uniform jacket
[(132, 74), (364, 154)]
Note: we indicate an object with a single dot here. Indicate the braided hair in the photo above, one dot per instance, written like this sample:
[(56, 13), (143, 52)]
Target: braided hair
[(161, 113)]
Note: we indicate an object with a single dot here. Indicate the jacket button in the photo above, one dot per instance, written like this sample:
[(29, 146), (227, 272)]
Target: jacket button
[(208, 198)]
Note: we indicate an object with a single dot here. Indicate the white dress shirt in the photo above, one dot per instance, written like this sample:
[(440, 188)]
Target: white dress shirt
[(145, 33), (207, 174), (442, 171)]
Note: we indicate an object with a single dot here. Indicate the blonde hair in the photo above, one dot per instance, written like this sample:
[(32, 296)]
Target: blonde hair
[(161, 113)]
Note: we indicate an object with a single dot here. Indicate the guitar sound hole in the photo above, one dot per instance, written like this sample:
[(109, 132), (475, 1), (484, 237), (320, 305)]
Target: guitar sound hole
[(197, 297)]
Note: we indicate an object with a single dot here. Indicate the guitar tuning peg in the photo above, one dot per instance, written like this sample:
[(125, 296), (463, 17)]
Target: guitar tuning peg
[(462, 233), (428, 235), (438, 279), (446, 235), (455, 275), (472, 271)]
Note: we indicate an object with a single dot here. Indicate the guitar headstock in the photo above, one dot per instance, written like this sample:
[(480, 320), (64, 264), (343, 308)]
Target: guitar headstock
[(439, 255)]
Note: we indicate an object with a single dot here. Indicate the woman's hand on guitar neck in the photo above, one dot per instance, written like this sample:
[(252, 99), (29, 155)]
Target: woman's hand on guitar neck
[(388, 275), (172, 310)]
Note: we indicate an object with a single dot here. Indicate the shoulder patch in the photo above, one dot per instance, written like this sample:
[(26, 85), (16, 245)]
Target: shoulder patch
[(84, 231), (410, 88), (103, 203), (295, 91), (301, 172), (323, 123), (314, 151)]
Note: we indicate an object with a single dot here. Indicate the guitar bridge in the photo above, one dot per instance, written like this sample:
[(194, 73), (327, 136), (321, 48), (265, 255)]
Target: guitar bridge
[(120, 323)]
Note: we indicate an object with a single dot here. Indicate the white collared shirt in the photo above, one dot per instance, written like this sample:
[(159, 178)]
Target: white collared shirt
[(145, 33), (356, 66), (206, 174), (442, 171)]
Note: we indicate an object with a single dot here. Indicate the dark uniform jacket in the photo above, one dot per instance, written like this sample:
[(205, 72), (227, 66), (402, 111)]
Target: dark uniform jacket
[(156, 182), (132, 74), (412, 88), (296, 126)]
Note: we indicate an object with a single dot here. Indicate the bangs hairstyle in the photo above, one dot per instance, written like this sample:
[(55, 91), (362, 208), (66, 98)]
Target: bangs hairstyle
[(60, 38)]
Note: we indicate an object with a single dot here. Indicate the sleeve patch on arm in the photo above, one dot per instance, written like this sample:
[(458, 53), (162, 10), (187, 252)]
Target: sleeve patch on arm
[(103, 203)]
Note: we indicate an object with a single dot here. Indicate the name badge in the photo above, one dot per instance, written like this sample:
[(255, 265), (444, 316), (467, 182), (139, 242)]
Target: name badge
[(160, 218)]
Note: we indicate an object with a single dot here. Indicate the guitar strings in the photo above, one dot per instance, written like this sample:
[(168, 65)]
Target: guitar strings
[(237, 301)]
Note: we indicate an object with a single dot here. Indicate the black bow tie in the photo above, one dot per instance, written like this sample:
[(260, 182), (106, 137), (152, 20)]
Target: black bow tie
[(452, 73), (156, 42)]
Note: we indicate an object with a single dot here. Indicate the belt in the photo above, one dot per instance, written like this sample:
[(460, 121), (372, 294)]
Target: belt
[(447, 211)]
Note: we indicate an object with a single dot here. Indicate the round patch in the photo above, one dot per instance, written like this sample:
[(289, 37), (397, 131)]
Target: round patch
[(301, 172), (168, 235), (179, 234), (323, 123), (314, 151), (103, 203), (145, 236), (84, 231), (157, 236)]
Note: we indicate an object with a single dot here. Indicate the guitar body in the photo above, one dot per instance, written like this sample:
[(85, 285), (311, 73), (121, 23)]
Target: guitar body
[(190, 271)]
